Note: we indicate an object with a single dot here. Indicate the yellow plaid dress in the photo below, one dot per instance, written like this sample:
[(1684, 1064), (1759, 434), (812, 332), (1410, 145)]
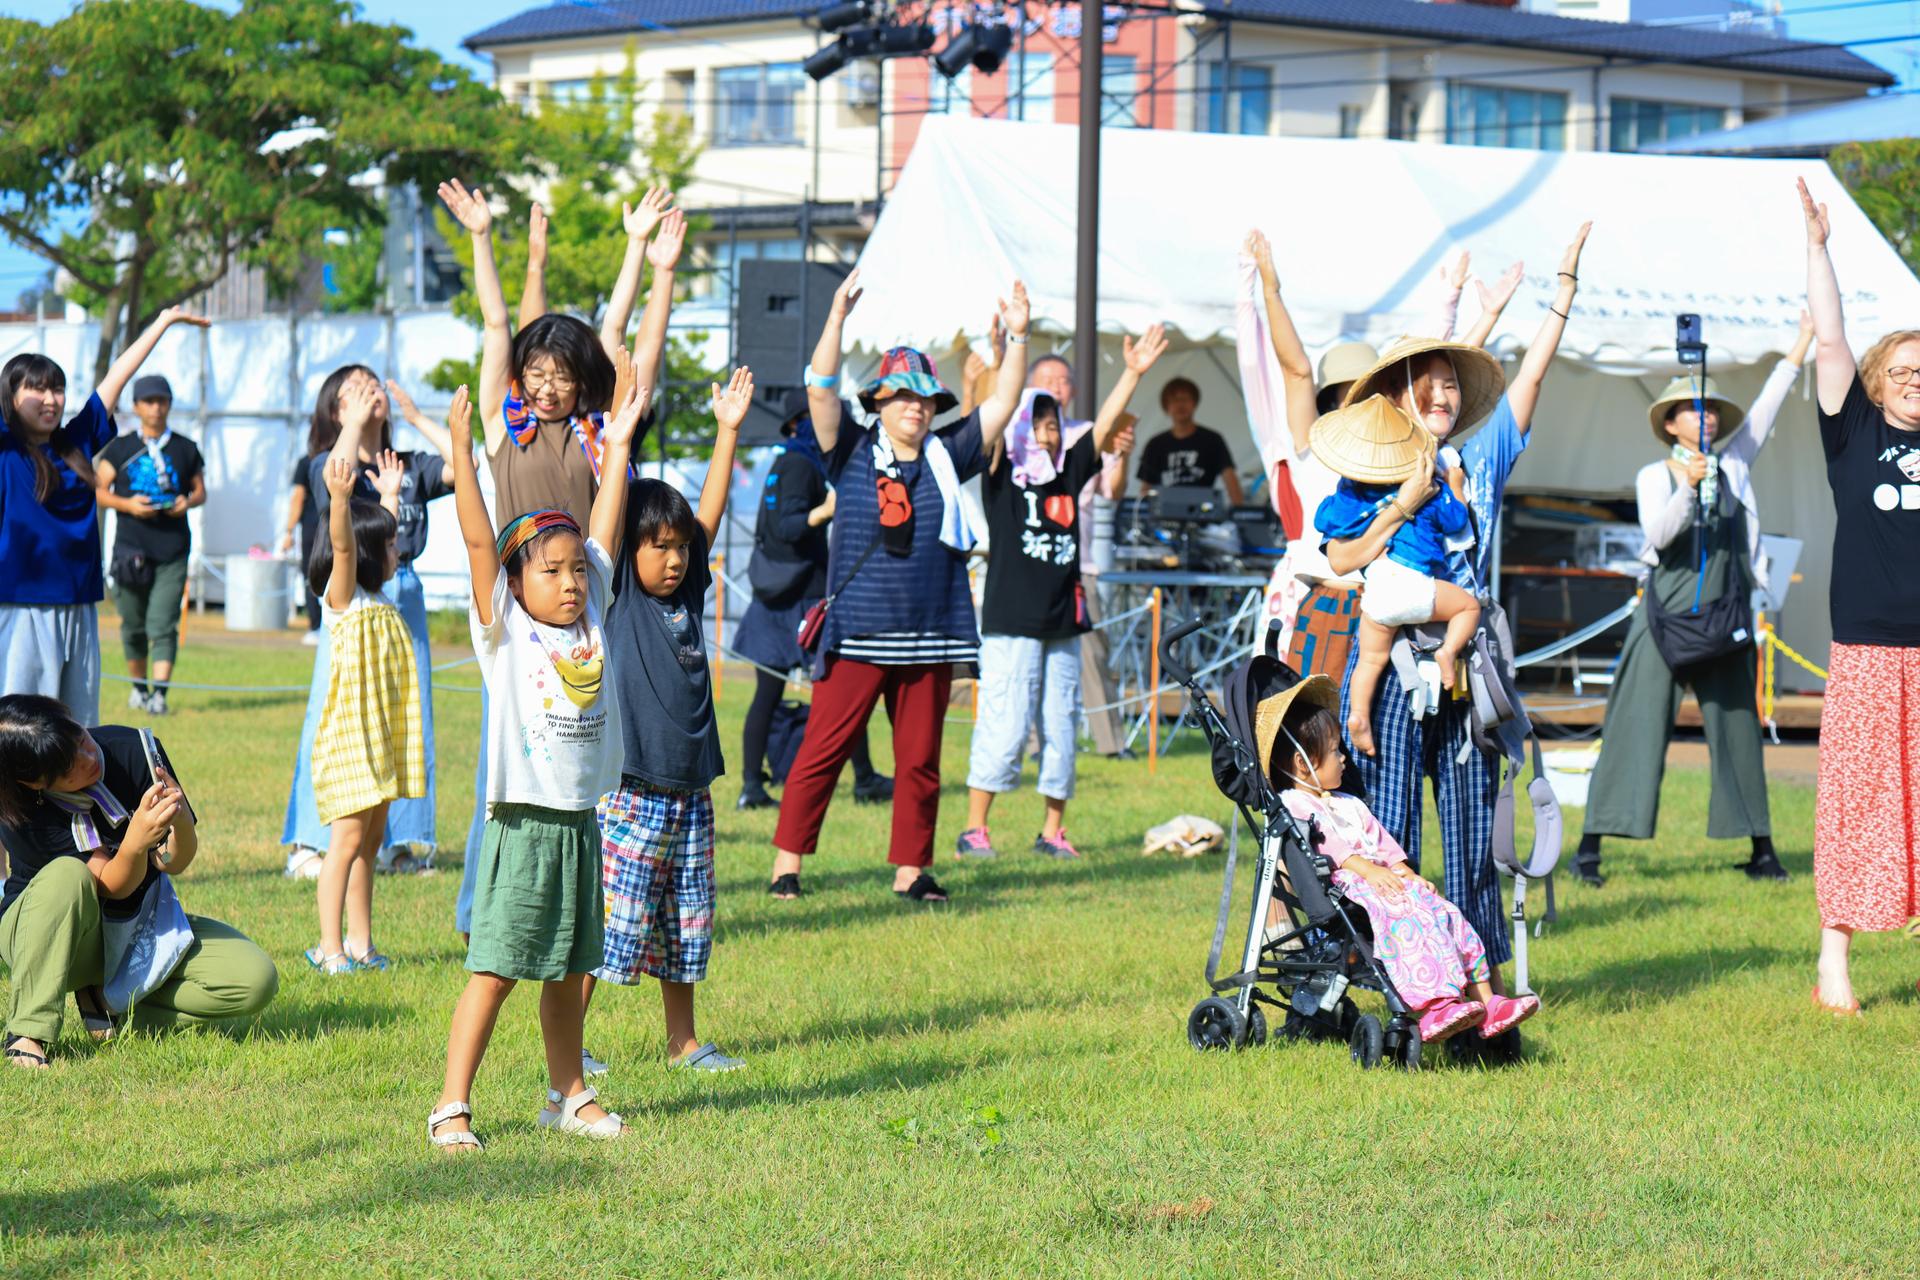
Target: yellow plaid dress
[(367, 748)]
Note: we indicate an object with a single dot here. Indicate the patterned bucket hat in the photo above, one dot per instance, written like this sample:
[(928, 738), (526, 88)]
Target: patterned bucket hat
[(905, 369)]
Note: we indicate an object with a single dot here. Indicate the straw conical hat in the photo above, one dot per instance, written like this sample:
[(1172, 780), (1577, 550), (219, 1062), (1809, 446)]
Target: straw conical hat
[(1681, 391), (1481, 378), (1372, 442)]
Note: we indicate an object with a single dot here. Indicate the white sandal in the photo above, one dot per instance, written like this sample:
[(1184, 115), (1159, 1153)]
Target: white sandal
[(567, 1118), (457, 1137)]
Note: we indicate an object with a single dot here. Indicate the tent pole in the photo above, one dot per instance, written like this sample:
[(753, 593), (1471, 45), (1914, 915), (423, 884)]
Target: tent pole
[(1086, 331)]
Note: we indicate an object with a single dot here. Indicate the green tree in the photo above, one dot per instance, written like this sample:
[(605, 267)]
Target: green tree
[(592, 157), (351, 263), (194, 138), (1884, 180)]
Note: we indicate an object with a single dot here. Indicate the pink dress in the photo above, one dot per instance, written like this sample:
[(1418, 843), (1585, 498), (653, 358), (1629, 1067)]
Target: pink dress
[(1428, 948)]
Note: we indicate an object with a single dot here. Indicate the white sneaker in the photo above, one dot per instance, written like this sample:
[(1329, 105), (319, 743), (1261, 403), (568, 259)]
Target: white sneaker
[(304, 863), (591, 1066), (136, 700)]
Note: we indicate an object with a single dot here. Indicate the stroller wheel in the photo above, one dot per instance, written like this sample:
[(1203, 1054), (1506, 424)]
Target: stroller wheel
[(1216, 1024), (1403, 1045), (1256, 1025), (1365, 1044)]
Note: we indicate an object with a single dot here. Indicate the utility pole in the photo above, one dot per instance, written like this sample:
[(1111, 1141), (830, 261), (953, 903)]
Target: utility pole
[(1086, 288)]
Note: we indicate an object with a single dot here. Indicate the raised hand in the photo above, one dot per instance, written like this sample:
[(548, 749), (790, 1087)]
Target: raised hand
[(387, 475), (1819, 225), (180, 315), (640, 219), (997, 341), (536, 236), (847, 296), (627, 406), (1456, 275), (1257, 247), (1139, 356), (1570, 260), (359, 402), (1017, 314), (1495, 297), (339, 475), (402, 401), (1806, 325), (460, 422), (730, 406), (469, 208), (664, 252), (974, 367), (623, 376)]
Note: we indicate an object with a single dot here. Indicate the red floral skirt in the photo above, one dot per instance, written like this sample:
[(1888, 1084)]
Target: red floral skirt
[(1866, 830)]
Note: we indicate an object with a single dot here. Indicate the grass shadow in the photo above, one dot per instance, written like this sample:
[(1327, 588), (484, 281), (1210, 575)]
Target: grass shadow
[(1625, 984), (1590, 909), (880, 1077), (293, 1022), (949, 1016)]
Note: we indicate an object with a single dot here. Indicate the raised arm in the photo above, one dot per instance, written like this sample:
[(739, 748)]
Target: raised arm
[(823, 384), (639, 221), (1523, 393), (651, 343), (476, 530), (1493, 300), (340, 583), (388, 476), (1446, 305), (121, 371), (1138, 357), (1296, 370), (470, 209), (604, 522), (1833, 366), (729, 411), (1011, 378), (533, 297), (1764, 412), (435, 433)]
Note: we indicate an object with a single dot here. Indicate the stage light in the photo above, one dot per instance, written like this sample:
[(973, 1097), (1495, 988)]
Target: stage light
[(837, 16), (909, 39), (825, 60), (953, 59), (994, 44)]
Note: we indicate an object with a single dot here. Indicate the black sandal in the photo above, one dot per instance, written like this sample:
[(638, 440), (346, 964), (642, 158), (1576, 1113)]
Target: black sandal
[(24, 1055), (923, 889), (786, 886)]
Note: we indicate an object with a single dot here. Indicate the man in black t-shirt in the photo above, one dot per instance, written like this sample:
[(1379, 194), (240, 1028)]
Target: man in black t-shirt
[(1187, 453), (152, 478)]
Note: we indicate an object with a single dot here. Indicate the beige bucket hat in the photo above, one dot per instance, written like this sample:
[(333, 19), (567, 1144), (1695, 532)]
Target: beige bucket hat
[(1318, 689), (1481, 378), (1680, 391), (1372, 442)]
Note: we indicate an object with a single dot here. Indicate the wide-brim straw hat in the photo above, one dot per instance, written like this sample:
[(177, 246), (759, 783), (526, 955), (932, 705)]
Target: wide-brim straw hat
[(1681, 392), (1481, 378), (1339, 367), (1372, 442), (1271, 713)]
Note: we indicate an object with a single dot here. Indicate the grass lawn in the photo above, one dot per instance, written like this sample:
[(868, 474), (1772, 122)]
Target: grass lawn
[(998, 1088)]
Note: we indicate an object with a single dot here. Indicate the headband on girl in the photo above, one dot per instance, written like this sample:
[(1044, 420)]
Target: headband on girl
[(524, 529)]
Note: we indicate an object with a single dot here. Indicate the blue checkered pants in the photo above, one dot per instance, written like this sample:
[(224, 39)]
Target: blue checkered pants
[(656, 868), (1406, 750)]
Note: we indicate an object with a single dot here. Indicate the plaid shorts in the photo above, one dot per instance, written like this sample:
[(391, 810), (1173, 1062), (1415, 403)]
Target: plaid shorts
[(656, 867)]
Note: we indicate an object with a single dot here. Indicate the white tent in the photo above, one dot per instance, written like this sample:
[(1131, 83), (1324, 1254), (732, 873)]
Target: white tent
[(1359, 230)]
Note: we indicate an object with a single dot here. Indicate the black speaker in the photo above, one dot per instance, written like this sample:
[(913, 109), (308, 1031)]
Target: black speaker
[(773, 338)]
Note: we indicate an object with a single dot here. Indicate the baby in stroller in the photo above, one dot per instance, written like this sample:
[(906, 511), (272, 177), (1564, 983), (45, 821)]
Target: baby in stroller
[(1433, 956)]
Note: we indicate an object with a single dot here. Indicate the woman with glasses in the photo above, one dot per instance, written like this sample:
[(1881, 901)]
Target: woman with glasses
[(1866, 823), (1717, 483)]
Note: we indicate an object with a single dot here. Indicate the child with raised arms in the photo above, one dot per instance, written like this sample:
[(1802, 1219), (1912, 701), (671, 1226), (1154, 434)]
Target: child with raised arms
[(538, 615), (657, 826)]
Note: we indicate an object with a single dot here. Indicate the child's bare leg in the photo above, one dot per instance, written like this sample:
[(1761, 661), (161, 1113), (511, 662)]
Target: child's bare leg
[(1461, 612), (677, 997), (560, 1027), (1376, 649), (360, 882), (473, 1020), (344, 838)]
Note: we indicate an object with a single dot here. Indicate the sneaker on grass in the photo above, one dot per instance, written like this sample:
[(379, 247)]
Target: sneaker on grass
[(974, 842)]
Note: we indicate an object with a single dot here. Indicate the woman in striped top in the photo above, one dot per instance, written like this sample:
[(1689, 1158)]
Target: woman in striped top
[(901, 614)]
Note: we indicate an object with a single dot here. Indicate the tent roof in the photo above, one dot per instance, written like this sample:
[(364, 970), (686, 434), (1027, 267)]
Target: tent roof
[(1810, 133), (1359, 229)]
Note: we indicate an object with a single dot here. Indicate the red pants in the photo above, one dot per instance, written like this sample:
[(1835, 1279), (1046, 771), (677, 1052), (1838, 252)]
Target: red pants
[(916, 699)]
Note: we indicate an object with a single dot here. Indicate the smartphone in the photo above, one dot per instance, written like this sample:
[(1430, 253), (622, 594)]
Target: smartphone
[(157, 767), (1687, 343)]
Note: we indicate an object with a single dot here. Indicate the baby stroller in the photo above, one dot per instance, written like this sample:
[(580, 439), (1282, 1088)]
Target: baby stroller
[(1326, 947)]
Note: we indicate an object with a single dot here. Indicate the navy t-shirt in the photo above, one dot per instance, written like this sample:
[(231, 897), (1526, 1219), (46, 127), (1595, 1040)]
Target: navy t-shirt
[(657, 654), (424, 479)]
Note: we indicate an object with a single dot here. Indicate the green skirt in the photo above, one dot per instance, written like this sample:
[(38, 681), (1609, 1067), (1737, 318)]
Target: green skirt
[(537, 911)]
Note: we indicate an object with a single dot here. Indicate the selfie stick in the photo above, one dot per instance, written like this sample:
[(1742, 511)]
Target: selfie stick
[(1700, 491)]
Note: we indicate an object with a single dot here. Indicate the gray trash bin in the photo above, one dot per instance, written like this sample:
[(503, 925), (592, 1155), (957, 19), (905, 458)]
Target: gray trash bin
[(257, 594)]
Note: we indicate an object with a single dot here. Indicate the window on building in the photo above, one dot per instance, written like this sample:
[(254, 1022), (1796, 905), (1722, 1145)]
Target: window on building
[(679, 93), (1633, 123), (1119, 91), (1030, 86), (1242, 103), (757, 106), (1490, 116), (567, 90), (1350, 120), (1403, 111)]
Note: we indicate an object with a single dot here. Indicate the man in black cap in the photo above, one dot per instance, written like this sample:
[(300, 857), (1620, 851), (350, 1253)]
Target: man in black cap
[(152, 477)]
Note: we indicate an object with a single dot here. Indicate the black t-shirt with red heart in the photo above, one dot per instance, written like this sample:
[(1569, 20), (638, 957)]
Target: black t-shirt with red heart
[(1033, 557), (1874, 471)]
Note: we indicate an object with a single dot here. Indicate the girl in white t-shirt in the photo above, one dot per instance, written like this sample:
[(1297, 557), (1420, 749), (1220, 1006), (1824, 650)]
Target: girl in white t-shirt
[(540, 596)]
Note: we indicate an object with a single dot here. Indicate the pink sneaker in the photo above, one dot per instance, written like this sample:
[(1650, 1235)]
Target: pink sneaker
[(1058, 847), (1507, 1011), (1449, 1016), (974, 842)]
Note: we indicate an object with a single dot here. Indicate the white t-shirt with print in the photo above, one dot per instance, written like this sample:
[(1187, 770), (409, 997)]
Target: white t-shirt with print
[(553, 733)]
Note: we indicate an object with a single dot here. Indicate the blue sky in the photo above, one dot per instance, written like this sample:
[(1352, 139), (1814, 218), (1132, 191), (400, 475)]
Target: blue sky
[(442, 26)]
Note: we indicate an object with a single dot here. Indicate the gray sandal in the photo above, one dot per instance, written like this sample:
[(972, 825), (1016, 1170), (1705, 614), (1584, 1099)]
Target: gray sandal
[(707, 1058), (455, 1137)]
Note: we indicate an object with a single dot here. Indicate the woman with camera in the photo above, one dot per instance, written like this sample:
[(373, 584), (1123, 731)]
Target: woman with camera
[(1713, 489)]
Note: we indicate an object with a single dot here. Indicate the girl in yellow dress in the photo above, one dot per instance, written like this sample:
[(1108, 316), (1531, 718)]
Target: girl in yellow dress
[(367, 750)]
